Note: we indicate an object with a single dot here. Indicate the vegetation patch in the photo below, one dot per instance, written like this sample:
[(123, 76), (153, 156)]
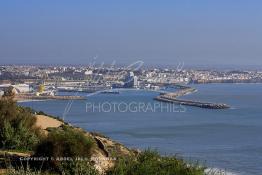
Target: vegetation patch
[(65, 142), (67, 148), (17, 127), (151, 163)]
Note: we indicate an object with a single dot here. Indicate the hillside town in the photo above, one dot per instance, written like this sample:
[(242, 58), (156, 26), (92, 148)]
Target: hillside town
[(47, 80)]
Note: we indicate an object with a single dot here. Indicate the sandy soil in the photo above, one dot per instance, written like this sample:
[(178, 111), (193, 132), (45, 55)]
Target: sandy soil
[(44, 122)]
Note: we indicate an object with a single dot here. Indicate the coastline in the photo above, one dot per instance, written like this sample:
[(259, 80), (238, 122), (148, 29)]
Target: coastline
[(105, 161), (22, 97), (203, 92)]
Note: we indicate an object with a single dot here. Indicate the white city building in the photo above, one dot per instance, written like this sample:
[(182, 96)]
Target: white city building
[(88, 72), (136, 82)]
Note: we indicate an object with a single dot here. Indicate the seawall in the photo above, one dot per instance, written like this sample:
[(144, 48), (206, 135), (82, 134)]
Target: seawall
[(172, 98)]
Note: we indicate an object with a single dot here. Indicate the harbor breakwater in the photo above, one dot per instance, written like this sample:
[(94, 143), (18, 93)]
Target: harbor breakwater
[(173, 98)]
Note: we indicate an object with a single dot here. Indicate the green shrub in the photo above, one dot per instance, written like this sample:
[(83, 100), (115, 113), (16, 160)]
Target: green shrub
[(18, 138), (8, 110), (26, 170), (77, 168), (151, 163), (17, 127), (66, 142), (72, 168)]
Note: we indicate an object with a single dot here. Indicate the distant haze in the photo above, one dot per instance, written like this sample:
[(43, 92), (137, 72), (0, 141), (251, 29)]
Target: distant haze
[(196, 32)]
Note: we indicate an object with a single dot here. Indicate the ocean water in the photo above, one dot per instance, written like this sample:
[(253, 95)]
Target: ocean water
[(229, 139)]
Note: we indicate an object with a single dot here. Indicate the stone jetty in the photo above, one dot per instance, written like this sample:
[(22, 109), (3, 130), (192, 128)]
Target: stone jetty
[(173, 98)]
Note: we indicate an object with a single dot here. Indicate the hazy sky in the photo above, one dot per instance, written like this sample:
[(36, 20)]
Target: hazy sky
[(158, 32)]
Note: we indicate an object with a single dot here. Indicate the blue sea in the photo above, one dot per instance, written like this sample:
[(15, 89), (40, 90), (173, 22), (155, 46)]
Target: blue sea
[(229, 139)]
